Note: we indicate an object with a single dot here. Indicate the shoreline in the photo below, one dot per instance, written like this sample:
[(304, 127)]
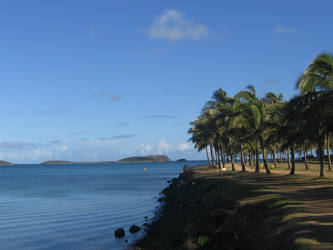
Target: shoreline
[(205, 209)]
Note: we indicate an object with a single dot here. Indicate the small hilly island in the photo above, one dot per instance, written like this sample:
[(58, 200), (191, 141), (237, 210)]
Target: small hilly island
[(5, 163), (149, 158)]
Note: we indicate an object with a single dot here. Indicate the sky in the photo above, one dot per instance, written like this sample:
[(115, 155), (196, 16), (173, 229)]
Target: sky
[(102, 80)]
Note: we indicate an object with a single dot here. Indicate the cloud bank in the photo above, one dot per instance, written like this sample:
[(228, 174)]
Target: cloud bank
[(164, 147)]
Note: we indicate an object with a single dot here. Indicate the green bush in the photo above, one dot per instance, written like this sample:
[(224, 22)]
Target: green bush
[(202, 240)]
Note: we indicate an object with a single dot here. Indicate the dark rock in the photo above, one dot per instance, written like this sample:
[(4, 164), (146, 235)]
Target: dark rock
[(134, 229), (119, 233), (145, 224), (146, 217)]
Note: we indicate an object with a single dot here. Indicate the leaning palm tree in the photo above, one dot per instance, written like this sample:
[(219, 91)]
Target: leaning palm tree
[(318, 76)]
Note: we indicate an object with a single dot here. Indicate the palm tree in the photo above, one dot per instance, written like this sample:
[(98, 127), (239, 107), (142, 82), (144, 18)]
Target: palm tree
[(316, 83), (318, 76), (200, 136), (254, 112), (273, 105), (291, 129)]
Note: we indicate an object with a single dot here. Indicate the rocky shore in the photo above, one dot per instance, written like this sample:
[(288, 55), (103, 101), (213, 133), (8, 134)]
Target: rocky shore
[(202, 209)]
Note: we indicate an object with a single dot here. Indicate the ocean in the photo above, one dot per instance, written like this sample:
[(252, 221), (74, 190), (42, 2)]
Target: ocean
[(79, 206)]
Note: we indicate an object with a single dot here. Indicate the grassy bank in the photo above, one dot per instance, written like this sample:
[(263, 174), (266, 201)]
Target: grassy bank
[(204, 209)]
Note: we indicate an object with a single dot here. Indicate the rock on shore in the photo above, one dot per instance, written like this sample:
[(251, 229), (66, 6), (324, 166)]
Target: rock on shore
[(119, 233)]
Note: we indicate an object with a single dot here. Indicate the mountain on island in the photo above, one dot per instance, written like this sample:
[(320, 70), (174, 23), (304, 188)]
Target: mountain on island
[(5, 163), (149, 158), (58, 162)]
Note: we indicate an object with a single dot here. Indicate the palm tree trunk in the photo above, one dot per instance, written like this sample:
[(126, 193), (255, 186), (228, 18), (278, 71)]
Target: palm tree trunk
[(232, 163), (268, 171), (288, 157), (257, 157), (250, 159), (217, 157), (210, 164), (274, 156), (242, 159), (328, 152), (223, 160), (221, 156), (280, 158), (321, 156), (292, 149), (217, 154), (212, 155), (305, 159)]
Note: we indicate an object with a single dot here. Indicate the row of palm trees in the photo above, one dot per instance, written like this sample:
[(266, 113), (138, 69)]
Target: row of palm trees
[(252, 128)]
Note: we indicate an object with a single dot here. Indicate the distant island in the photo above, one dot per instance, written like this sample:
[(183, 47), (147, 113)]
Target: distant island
[(5, 163), (181, 160), (58, 162), (149, 158)]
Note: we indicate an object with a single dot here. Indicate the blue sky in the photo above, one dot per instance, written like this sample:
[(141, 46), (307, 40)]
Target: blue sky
[(102, 80)]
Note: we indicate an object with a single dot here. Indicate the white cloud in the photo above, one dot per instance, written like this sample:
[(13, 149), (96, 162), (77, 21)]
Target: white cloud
[(172, 25), (279, 30), (163, 146), (184, 146), (40, 154), (145, 149)]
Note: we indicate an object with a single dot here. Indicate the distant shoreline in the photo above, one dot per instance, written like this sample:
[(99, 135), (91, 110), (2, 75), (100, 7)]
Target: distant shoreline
[(134, 159)]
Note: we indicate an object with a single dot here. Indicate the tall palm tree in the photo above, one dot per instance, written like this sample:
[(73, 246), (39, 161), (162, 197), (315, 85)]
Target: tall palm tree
[(316, 83), (273, 105), (254, 112), (291, 129)]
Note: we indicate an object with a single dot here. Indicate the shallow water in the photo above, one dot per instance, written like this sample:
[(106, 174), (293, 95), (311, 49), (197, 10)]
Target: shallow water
[(78, 206)]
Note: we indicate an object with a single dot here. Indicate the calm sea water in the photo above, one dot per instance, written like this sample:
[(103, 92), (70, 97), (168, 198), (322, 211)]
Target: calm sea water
[(78, 206)]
